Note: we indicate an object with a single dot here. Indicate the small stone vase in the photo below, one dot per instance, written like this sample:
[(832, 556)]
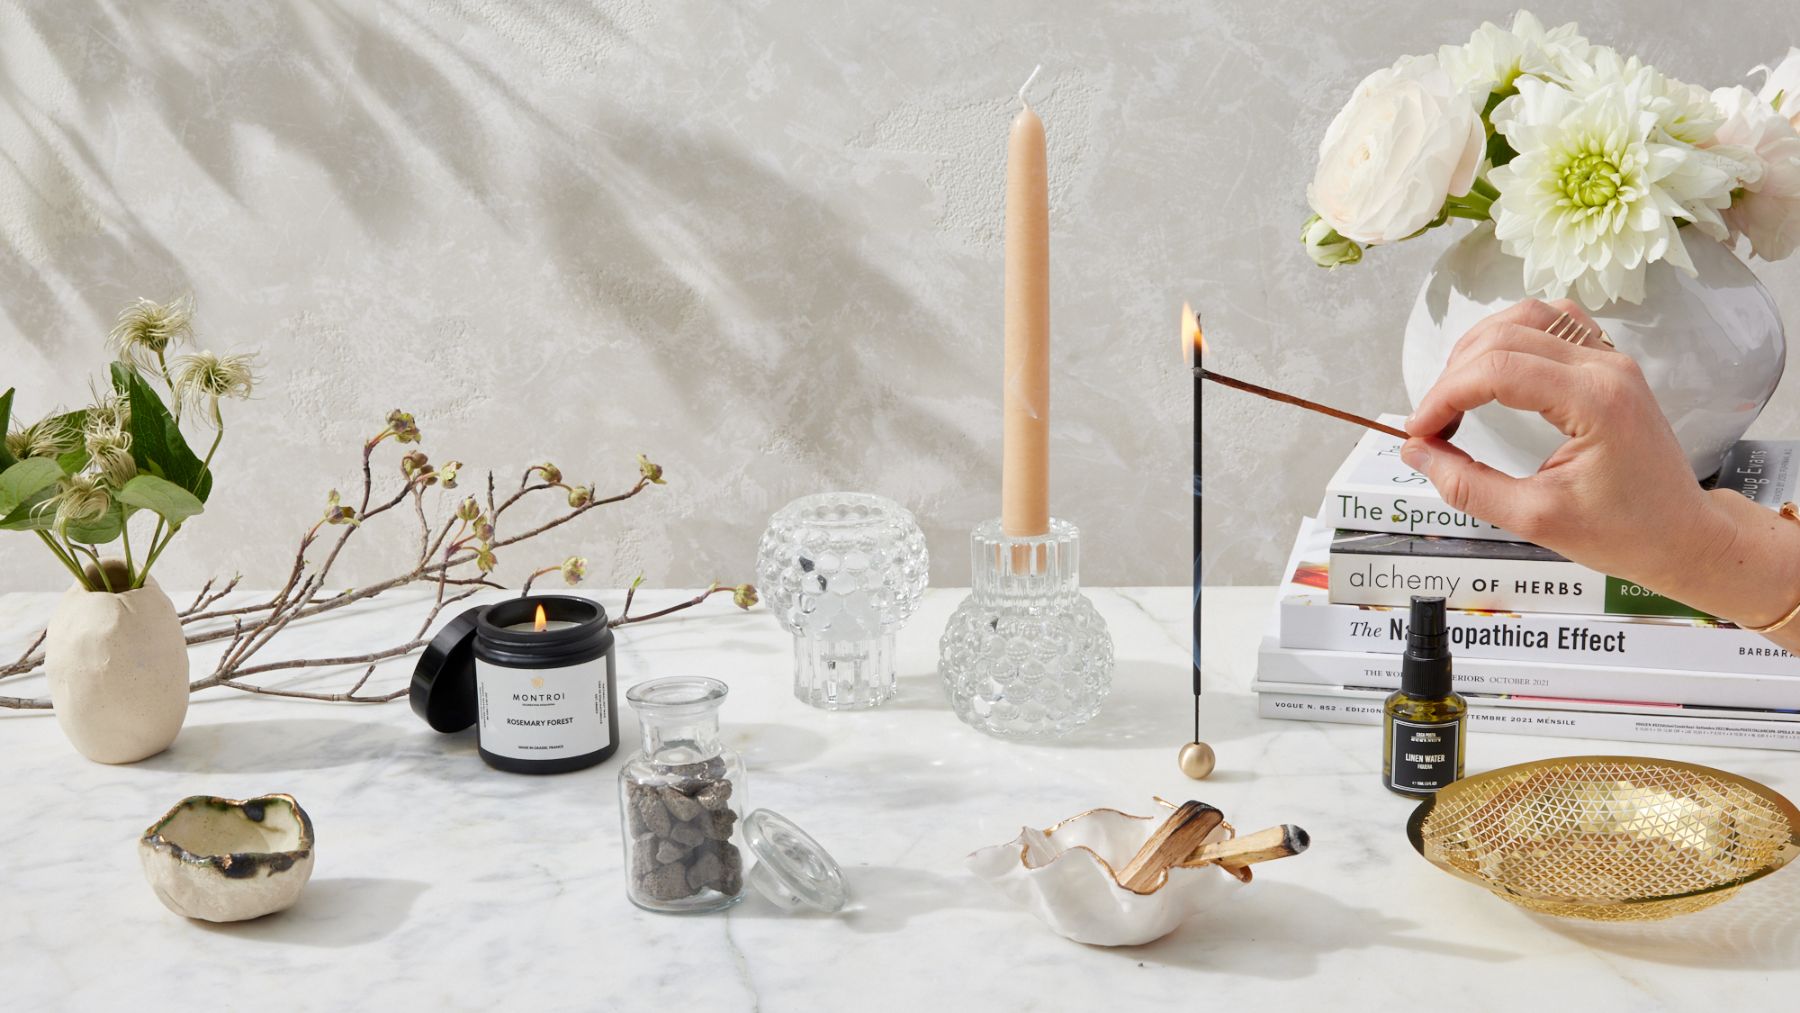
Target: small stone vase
[(118, 669)]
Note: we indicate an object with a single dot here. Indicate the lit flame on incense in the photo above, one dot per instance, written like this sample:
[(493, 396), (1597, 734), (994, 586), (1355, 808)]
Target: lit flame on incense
[(1193, 348), (538, 624), (1193, 342)]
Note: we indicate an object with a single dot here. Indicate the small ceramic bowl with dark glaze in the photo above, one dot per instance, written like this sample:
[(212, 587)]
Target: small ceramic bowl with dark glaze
[(228, 860)]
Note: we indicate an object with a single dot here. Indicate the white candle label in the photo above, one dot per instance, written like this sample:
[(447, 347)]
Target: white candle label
[(542, 713)]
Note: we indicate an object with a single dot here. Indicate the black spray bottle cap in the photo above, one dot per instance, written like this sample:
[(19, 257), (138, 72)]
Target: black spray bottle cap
[(1425, 668)]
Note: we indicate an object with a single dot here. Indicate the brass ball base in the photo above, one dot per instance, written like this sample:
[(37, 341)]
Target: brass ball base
[(1197, 760)]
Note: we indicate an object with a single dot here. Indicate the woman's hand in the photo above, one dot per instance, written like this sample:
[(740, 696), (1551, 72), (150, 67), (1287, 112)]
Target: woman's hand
[(1618, 496)]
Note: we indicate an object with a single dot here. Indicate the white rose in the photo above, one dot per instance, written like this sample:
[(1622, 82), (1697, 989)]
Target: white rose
[(1767, 205), (1407, 139), (1782, 81)]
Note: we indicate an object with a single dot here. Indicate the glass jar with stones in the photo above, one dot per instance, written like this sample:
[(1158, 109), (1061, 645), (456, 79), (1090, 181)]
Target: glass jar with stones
[(681, 798)]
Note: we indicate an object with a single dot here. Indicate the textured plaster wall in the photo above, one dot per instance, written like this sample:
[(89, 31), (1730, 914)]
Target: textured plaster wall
[(1277, 73), (757, 241)]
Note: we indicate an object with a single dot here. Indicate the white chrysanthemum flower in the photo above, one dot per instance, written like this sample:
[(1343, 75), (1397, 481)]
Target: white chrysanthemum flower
[(203, 378), (1596, 193), (1684, 112), (1494, 58), (1767, 206)]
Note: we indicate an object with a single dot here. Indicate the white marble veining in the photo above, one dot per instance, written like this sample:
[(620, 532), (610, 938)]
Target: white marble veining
[(442, 884)]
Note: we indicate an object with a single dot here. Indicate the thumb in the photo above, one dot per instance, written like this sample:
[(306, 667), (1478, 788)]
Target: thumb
[(1472, 487)]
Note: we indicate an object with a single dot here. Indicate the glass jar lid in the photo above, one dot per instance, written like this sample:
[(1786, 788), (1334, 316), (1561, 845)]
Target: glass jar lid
[(792, 870)]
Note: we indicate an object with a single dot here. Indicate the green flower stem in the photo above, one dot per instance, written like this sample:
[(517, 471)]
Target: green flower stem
[(95, 556), (1486, 189), (1473, 214), (125, 537), (218, 436), (169, 382), (65, 559), (156, 549)]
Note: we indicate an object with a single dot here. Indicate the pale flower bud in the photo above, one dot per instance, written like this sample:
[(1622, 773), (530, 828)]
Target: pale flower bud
[(337, 513), (651, 471), (468, 509), (1325, 246), (744, 595), (574, 569), (403, 427), (581, 496)]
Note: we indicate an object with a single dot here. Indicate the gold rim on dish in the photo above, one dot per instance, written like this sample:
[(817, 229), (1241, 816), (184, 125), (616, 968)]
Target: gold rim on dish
[(1607, 838)]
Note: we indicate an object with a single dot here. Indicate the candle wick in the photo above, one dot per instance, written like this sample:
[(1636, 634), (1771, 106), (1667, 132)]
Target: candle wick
[(1034, 73)]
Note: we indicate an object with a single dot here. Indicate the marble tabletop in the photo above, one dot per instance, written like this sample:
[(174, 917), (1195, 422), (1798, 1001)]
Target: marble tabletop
[(443, 884)]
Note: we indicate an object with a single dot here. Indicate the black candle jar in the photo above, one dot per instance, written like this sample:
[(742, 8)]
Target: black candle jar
[(543, 700)]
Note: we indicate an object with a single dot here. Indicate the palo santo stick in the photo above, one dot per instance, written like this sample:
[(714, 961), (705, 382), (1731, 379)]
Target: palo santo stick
[(1262, 846), (1181, 834)]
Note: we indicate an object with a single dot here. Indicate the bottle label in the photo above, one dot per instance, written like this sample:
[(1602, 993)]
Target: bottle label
[(1424, 755), (542, 713)]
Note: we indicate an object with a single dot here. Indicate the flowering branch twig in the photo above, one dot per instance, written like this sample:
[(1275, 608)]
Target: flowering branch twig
[(458, 553)]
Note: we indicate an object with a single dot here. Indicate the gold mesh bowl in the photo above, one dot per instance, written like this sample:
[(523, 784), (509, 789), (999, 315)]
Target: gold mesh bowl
[(1607, 838)]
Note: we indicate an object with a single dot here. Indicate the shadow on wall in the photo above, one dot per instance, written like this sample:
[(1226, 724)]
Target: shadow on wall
[(678, 246)]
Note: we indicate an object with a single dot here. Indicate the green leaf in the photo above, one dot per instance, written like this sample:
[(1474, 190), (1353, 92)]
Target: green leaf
[(74, 460), (156, 441), (7, 460), (27, 517), (99, 531), (160, 496), (26, 479)]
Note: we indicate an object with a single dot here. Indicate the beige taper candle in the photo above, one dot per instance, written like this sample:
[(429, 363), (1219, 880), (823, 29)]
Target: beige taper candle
[(1025, 442)]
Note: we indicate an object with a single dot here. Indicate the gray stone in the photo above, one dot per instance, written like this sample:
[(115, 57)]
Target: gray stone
[(680, 806), (718, 825), (714, 796), (688, 834)]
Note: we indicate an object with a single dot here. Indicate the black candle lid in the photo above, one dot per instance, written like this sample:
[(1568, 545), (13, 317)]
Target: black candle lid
[(443, 682)]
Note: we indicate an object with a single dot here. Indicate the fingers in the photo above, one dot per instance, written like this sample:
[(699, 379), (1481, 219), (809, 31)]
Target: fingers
[(1476, 489), (1560, 330), (1516, 379)]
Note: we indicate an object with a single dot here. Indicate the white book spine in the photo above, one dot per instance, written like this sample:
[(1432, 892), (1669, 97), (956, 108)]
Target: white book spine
[(1375, 491), (1626, 727), (1309, 622), (1498, 585), (1527, 678)]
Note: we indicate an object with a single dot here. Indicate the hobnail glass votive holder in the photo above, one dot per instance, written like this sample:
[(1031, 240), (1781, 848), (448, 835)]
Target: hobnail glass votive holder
[(1026, 656), (842, 571)]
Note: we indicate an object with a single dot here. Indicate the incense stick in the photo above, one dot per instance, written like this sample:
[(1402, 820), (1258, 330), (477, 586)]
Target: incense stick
[(1299, 402)]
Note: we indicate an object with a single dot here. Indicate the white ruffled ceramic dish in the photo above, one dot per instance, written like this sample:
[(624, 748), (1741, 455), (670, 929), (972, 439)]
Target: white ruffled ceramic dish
[(1065, 876)]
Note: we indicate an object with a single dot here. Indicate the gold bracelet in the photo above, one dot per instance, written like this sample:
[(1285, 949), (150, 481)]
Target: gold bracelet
[(1792, 513)]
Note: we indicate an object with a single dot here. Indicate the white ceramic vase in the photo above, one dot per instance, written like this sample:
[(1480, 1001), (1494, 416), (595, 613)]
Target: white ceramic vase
[(118, 670), (1710, 345)]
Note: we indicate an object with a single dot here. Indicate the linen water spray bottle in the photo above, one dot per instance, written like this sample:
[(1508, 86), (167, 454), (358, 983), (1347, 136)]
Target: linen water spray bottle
[(1424, 723)]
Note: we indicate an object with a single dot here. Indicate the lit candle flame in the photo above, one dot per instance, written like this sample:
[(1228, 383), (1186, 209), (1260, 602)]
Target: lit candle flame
[(539, 623), (1193, 342)]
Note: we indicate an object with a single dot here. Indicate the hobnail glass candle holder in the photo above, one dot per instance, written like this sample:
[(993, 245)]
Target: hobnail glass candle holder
[(842, 571), (1026, 656)]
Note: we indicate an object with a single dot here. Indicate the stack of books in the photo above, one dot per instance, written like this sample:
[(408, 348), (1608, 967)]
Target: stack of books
[(1542, 645)]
